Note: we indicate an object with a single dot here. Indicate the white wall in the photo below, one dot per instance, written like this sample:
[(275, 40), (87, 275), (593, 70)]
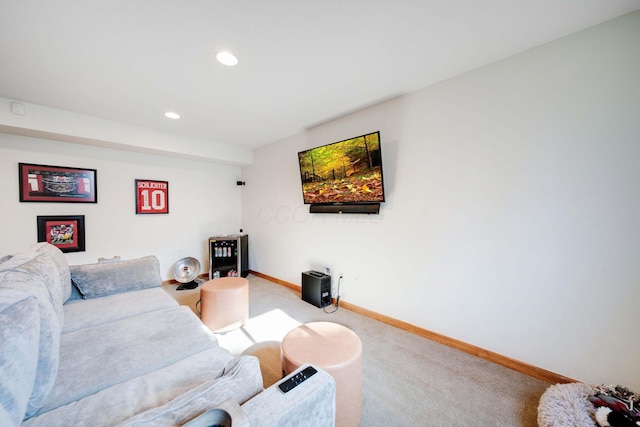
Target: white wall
[(203, 201), (512, 218)]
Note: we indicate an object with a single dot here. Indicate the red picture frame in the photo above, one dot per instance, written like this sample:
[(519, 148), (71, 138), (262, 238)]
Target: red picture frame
[(61, 184), (64, 232), (152, 197)]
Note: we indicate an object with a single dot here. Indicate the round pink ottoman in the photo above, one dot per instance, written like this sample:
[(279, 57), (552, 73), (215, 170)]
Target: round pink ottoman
[(224, 303), (337, 350)]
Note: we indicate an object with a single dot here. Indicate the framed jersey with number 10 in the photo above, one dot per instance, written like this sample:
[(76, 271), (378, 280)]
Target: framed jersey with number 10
[(152, 197)]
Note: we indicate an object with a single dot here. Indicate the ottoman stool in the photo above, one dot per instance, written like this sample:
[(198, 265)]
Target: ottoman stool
[(224, 303), (337, 350)]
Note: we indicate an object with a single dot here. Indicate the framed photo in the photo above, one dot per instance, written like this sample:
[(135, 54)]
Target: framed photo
[(65, 232), (43, 183), (152, 197)]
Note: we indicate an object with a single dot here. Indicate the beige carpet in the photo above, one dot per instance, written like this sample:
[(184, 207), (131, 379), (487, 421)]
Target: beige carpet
[(407, 380)]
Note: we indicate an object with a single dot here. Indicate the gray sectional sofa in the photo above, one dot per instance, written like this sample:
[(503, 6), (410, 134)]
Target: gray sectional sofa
[(114, 349)]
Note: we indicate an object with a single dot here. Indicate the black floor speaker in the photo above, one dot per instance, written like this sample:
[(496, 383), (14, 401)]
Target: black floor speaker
[(316, 288)]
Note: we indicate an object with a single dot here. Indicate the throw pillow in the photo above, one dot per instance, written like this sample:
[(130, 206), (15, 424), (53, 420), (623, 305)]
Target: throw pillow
[(102, 279)]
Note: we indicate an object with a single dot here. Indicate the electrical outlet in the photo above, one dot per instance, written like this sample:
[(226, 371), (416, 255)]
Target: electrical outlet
[(327, 271), (17, 108)]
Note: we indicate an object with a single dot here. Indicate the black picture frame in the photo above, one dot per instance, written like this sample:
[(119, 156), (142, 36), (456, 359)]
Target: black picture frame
[(57, 184), (66, 232)]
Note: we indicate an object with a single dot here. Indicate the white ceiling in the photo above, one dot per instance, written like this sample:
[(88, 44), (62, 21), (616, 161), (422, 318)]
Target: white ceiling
[(301, 62)]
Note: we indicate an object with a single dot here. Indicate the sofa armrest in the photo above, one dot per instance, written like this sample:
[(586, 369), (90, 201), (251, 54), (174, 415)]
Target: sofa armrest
[(312, 403)]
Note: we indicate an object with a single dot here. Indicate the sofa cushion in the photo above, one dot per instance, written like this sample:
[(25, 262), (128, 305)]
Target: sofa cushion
[(41, 270), (137, 395), (96, 358), (20, 281), (85, 313), (48, 263), (61, 267), (240, 381), (101, 279), (19, 335)]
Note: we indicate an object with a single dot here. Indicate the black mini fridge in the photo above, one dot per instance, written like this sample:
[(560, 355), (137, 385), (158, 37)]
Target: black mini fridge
[(228, 256)]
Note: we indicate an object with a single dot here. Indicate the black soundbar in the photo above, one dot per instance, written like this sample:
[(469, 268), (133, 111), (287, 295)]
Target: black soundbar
[(363, 208)]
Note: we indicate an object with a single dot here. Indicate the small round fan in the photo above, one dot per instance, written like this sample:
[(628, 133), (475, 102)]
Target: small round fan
[(185, 272)]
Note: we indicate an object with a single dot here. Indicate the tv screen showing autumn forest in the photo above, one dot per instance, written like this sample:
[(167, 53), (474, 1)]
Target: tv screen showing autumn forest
[(348, 171)]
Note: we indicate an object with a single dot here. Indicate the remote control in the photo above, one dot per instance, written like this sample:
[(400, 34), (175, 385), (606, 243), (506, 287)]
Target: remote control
[(298, 378)]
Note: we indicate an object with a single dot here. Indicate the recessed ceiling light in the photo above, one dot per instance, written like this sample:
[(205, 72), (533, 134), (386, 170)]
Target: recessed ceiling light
[(227, 58), (172, 115)]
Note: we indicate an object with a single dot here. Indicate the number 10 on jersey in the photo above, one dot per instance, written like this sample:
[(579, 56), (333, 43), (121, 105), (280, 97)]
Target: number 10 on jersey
[(152, 197)]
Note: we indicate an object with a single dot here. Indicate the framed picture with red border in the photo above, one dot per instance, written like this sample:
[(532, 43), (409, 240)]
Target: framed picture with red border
[(152, 197), (64, 232), (44, 183)]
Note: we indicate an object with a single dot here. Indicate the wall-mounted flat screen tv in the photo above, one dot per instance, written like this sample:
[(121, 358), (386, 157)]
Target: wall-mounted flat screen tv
[(344, 172)]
